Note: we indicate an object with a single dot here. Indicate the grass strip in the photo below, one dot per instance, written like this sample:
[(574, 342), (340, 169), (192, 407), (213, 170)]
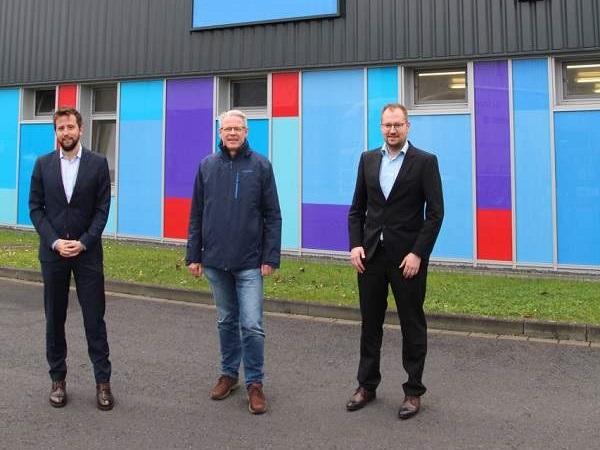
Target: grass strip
[(334, 282)]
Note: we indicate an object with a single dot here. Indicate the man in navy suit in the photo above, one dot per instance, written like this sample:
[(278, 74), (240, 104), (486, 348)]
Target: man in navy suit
[(69, 201), (394, 220)]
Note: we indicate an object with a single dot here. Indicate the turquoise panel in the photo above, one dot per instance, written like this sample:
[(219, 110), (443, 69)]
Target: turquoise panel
[(449, 138), (286, 162), (576, 137), (382, 88), (8, 206), (36, 140), (333, 123), (140, 180), (9, 132), (533, 175), (111, 224), (258, 136)]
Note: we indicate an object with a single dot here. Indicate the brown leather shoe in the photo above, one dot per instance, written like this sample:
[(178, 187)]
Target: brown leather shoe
[(104, 398), (224, 387), (58, 394), (360, 399), (410, 407), (257, 403)]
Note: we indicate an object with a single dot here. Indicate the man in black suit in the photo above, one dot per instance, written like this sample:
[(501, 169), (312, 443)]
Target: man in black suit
[(394, 220), (68, 205)]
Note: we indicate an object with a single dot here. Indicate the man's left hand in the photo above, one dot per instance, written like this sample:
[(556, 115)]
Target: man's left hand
[(266, 270), (410, 265), (71, 249)]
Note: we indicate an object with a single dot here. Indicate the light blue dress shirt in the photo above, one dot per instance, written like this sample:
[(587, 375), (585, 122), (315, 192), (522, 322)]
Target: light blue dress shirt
[(69, 170), (390, 167)]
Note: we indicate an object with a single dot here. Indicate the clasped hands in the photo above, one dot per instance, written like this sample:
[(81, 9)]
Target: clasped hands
[(410, 264), (68, 248)]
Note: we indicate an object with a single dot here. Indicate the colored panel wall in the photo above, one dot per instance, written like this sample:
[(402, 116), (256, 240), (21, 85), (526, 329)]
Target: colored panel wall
[(577, 135), (332, 135), (258, 136), (325, 227), (140, 159), (332, 141), (9, 131), (285, 94), (36, 140), (286, 165), (492, 144), (533, 178), (382, 88), (67, 96), (111, 223), (188, 139), (449, 138), (495, 243)]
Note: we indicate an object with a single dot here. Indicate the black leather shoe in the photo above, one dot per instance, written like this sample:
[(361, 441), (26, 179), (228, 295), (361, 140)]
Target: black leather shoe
[(360, 399), (410, 407), (58, 394), (104, 397)]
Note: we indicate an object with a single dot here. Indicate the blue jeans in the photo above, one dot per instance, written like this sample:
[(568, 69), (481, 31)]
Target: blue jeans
[(238, 296)]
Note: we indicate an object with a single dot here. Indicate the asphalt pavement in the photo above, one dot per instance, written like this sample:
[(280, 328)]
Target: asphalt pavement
[(484, 392)]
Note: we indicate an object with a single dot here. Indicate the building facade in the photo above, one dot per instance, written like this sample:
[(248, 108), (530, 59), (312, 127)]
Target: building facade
[(505, 92)]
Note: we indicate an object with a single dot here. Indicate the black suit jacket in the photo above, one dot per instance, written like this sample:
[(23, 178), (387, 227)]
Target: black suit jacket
[(83, 218), (410, 218)]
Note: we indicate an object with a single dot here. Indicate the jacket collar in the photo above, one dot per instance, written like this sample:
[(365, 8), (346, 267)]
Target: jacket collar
[(244, 150)]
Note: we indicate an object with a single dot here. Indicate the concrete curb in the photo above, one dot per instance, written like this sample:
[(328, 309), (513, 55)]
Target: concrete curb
[(450, 322)]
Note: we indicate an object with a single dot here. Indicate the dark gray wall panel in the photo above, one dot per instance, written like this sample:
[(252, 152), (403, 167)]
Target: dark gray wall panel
[(47, 41)]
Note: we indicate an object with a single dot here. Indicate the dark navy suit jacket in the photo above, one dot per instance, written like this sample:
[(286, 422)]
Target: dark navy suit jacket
[(83, 218)]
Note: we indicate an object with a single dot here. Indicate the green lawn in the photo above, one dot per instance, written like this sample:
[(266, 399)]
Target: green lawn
[(332, 282)]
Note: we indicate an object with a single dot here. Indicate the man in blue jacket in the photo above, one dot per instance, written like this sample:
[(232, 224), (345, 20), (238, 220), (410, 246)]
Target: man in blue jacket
[(235, 240)]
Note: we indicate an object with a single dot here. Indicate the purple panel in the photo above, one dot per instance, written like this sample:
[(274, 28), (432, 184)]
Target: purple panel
[(492, 135), (188, 134), (325, 227)]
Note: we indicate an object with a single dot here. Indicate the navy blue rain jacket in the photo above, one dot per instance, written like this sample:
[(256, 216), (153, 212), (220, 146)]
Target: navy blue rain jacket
[(235, 220)]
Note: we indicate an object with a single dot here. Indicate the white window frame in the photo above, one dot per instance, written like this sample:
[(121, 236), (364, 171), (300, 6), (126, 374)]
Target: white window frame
[(224, 96), (28, 113), (561, 102)]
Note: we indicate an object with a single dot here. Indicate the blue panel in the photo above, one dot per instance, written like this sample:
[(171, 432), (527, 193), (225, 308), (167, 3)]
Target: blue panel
[(111, 224), (577, 135), (449, 137), (533, 177), (36, 140), (209, 13), (8, 206), (333, 122), (382, 88), (258, 136), (286, 161), (9, 131), (140, 159)]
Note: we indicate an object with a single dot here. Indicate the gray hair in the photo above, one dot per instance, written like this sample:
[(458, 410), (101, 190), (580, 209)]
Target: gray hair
[(233, 113)]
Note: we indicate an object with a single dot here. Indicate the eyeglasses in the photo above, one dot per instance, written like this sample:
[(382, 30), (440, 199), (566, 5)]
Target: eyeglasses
[(389, 126), (233, 129)]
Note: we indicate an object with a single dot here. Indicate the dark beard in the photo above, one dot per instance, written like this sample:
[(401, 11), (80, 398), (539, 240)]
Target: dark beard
[(70, 147)]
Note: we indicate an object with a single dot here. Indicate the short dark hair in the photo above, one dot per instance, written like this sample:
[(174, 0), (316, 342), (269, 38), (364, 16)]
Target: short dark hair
[(62, 112), (395, 106)]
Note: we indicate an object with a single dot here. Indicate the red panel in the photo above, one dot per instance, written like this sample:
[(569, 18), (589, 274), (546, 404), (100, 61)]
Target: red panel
[(67, 96), (177, 216), (494, 234), (285, 94)]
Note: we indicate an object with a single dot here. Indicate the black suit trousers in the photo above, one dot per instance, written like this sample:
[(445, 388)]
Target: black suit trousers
[(380, 272), (89, 283)]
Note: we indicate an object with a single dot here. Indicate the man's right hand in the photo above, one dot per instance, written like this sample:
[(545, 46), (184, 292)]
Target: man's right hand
[(357, 255), (195, 269)]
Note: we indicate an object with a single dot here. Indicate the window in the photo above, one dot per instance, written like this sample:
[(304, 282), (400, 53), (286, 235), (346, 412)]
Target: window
[(581, 80), (440, 86), (249, 94), (103, 118), (45, 100), (104, 100)]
